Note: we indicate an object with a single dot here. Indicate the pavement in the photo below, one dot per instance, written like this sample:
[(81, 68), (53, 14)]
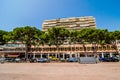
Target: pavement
[(60, 71)]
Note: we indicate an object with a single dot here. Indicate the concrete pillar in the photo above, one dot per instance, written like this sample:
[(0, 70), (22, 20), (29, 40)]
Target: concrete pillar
[(56, 55), (102, 55), (41, 56), (97, 58), (76, 55), (80, 54), (48, 55), (63, 56), (70, 55), (33, 55), (111, 54)]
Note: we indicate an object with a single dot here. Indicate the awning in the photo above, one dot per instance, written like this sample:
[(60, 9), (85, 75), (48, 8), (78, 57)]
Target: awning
[(10, 55)]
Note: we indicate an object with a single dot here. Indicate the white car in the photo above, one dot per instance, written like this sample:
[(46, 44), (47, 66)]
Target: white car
[(17, 59)]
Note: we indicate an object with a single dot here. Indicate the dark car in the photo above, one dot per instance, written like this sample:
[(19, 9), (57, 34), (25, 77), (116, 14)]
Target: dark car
[(22, 60), (115, 59), (32, 60), (10, 59), (73, 59), (105, 59), (101, 59), (109, 59)]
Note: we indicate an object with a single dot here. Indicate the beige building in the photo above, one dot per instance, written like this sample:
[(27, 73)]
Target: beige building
[(67, 50), (74, 23)]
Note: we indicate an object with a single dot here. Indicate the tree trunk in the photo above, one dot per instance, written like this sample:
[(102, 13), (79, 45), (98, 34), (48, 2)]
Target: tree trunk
[(26, 52), (58, 51), (42, 49), (94, 50), (85, 50)]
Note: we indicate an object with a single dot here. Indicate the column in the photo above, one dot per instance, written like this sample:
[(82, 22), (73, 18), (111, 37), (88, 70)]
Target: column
[(40, 55), (48, 55), (56, 55), (98, 58), (63, 56), (33, 55), (78, 55), (111, 54), (102, 55), (70, 55)]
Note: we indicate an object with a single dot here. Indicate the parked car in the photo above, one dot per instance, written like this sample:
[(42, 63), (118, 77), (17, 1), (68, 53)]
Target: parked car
[(62, 59), (42, 60), (2, 60), (10, 59), (17, 60), (109, 59), (105, 59), (72, 59), (33, 60), (23, 59), (115, 59), (52, 58), (101, 59)]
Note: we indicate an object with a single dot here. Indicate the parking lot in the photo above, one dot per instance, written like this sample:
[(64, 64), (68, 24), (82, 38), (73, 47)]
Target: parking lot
[(60, 71)]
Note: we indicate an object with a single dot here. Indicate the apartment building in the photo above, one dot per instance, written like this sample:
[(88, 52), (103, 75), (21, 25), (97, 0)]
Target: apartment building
[(65, 51), (73, 23)]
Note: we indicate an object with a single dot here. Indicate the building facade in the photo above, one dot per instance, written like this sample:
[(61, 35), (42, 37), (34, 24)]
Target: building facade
[(65, 50), (75, 23)]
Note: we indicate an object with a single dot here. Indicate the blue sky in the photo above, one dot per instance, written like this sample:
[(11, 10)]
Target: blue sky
[(19, 13)]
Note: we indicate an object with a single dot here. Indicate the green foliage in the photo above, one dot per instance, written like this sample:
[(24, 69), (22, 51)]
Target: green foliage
[(26, 34), (114, 35), (8, 37), (57, 35), (2, 33)]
